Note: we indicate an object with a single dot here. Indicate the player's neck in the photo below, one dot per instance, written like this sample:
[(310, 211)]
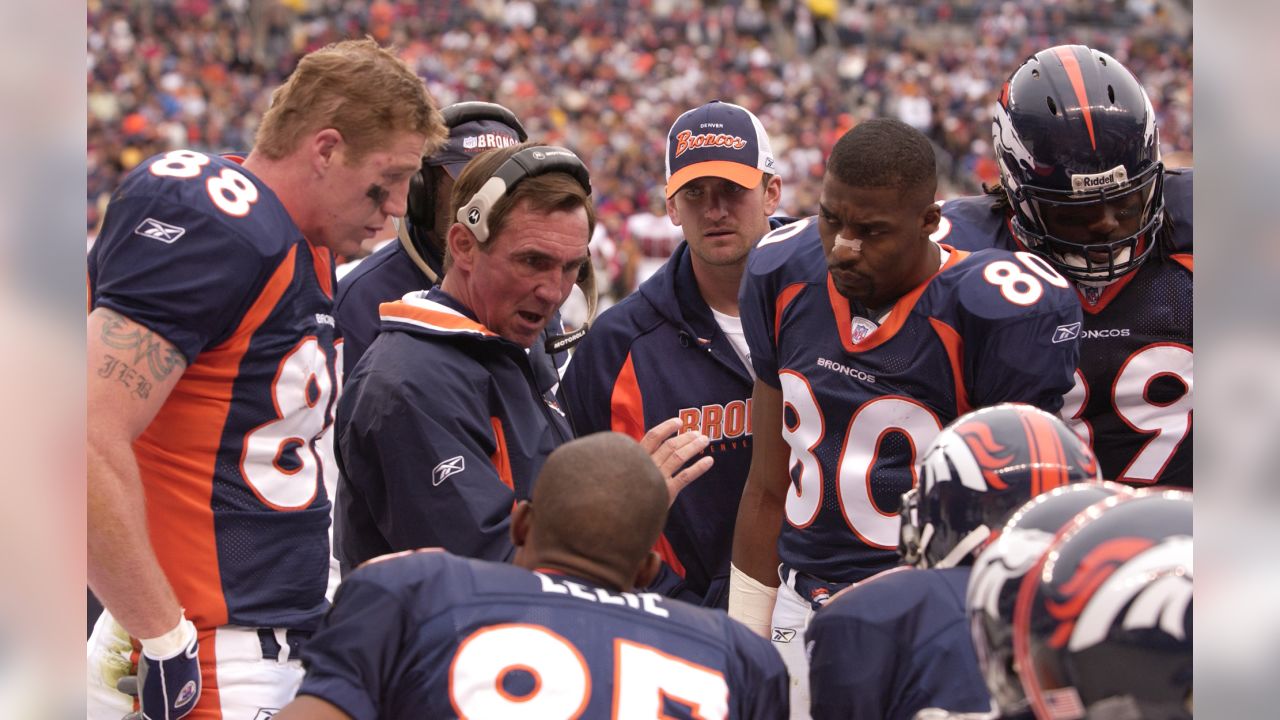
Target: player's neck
[(718, 284), (282, 177)]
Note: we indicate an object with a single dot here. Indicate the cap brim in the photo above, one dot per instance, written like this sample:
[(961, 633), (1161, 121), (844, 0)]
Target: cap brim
[(455, 169), (747, 177)]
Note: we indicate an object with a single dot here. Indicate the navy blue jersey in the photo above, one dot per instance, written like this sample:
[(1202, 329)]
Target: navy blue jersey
[(893, 645), (431, 635), (439, 431), (1132, 398), (197, 249), (860, 403), (388, 275), (656, 355)]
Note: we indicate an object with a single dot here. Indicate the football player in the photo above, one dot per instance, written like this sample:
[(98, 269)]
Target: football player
[(558, 634), (1102, 622), (908, 624), (1083, 187), (213, 367), (998, 572), (867, 338)]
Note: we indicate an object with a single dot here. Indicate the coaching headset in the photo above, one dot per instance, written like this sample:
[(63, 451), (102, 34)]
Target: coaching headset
[(536, 160), (422, 186)]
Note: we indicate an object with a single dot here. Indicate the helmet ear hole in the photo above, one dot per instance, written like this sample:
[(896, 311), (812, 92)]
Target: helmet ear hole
[(1053, 107), (1111, 94)]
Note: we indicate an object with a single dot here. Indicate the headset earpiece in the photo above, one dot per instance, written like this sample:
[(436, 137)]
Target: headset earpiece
[(536, 160)]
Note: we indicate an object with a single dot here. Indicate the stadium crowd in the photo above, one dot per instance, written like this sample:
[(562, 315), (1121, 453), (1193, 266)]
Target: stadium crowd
[(598, 76)]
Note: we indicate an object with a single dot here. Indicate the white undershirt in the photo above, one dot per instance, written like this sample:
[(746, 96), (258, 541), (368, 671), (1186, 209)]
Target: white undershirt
[(731, 326)]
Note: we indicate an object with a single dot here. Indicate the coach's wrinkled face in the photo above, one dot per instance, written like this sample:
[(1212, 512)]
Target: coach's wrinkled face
[(876, 239), (526, 270)]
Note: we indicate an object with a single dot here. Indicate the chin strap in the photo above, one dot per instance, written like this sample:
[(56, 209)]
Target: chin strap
[(966, 545), (402, 232)]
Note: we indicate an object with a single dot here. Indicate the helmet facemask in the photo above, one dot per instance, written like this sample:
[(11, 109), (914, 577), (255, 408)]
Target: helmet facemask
[(1043, 217)]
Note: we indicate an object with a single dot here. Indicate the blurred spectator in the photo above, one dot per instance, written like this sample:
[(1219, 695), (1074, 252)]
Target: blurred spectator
[(196, 74)]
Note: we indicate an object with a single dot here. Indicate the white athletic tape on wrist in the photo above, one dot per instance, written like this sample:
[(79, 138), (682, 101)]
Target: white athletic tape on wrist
[(751, 601), (171, 643)]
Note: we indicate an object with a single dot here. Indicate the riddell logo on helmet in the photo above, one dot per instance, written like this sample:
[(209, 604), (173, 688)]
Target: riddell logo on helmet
[(686, 140), (1115, 177)]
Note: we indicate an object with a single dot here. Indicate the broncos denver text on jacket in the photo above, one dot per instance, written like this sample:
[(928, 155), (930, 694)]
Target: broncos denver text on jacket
[(659, 354), (427, 634), (1133, 390), (861, 400), (914, 648), (439, 431), (236, 509)]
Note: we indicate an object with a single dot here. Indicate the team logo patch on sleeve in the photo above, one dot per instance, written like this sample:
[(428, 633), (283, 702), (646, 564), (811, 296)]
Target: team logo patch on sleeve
[(452, 466), (156, 230)]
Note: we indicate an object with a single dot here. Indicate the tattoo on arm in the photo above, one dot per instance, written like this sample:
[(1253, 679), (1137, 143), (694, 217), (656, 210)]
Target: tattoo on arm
[(122, 334)]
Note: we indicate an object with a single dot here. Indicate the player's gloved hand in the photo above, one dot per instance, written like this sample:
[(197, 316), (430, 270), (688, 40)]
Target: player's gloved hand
[(168, 679)]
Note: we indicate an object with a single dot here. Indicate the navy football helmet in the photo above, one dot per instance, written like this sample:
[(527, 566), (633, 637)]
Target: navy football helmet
[(998, 572), (1079, 154), (1102, 622), (977, 471)]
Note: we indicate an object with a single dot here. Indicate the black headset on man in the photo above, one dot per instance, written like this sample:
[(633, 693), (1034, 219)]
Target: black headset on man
[(474, 214)]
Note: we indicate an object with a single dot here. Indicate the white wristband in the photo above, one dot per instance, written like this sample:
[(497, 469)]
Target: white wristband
[(751, 601), (171, 643)]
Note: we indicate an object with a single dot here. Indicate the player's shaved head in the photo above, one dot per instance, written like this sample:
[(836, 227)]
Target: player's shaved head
[(598, 506), (885, 153)]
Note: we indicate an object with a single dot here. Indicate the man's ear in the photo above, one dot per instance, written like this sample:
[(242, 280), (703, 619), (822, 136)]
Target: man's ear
[(648, 570), (932, 218), (521, 522), (462, 246), (326, 148), (772, 195)]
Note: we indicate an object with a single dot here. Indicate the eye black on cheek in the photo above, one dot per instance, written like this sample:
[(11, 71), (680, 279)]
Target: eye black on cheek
[(377, 194)]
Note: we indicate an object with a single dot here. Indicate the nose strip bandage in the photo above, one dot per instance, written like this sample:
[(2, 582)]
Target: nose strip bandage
[(853, 244)]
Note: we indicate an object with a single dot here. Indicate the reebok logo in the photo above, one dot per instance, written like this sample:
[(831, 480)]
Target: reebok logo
[(783, 635), (156, 230), (1063, 333), (1113, 178), (452, 466)]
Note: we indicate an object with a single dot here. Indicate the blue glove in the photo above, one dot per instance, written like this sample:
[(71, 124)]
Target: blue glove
[(169, 684)]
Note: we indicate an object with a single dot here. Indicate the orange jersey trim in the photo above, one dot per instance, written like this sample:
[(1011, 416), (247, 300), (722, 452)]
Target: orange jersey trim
[(1186, 260), (897, 316), (668, 554), (785, 297), (954, 345), (322, 258), (626, 404), (500, 459), (179, 487)]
